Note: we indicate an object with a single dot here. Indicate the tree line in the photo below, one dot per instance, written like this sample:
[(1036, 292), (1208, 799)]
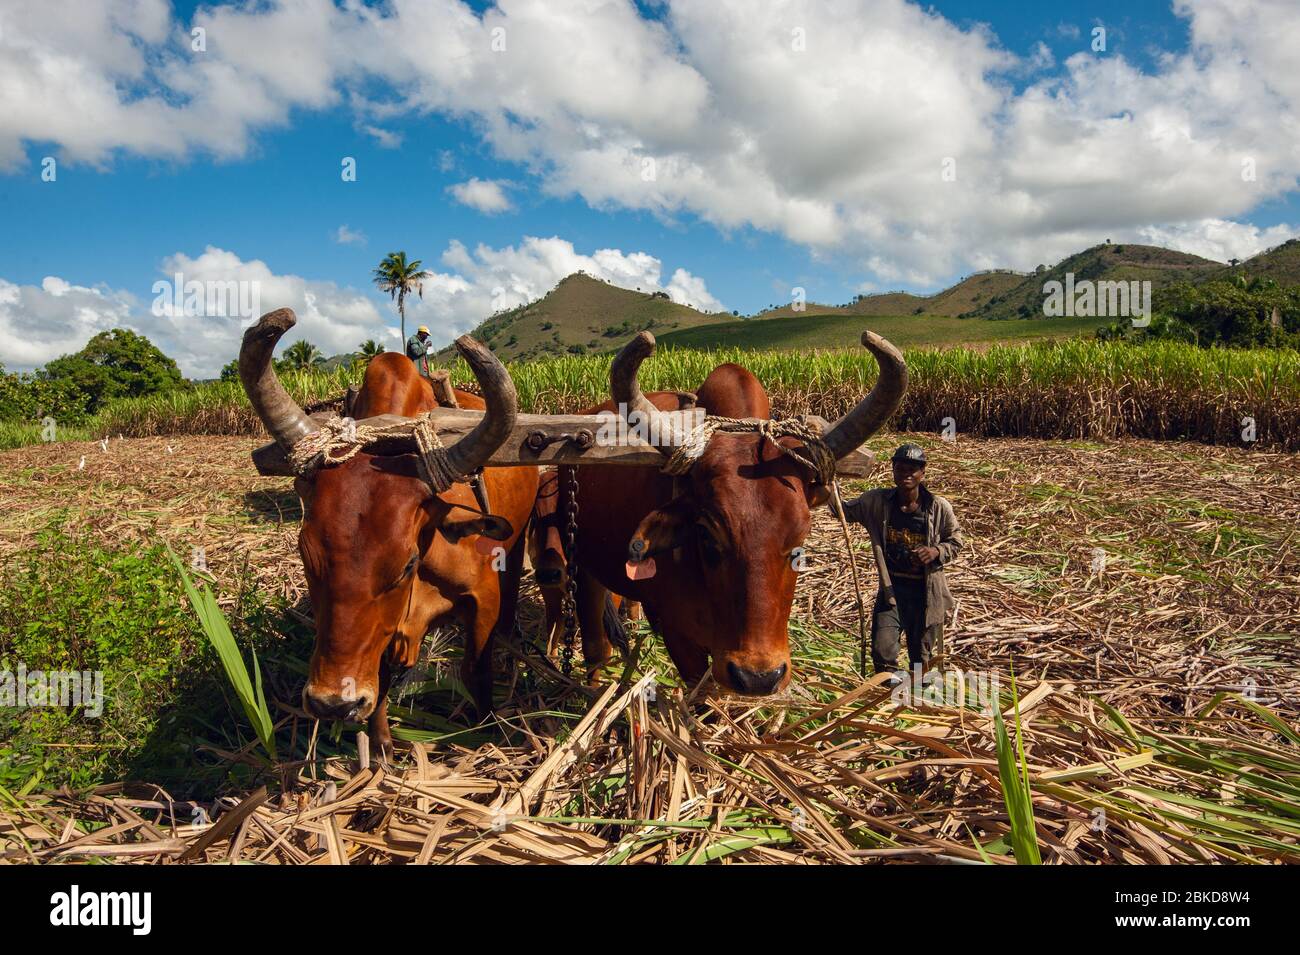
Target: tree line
[(1239, 312)]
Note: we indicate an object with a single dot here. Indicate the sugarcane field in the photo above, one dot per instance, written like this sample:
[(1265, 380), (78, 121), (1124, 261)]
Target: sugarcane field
[(803, 434)]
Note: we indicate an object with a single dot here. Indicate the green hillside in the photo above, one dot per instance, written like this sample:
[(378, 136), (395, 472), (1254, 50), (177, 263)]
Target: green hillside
[(962, 297), (1101, 263), (583, 314), (805, 332), (1281, 264)]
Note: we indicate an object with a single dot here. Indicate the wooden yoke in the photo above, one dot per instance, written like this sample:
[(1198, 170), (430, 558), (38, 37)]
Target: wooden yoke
[(640, 435), (538, 440)]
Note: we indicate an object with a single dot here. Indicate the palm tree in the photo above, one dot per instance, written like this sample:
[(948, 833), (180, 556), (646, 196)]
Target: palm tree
[(366, 351), (302, 355), (398, 277)]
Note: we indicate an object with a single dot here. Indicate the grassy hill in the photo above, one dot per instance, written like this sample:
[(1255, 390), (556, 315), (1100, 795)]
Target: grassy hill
[(973, 291), (1281, 264), (804, 332), (586, 315), (962, 297), (1101, 263), (583, 314)]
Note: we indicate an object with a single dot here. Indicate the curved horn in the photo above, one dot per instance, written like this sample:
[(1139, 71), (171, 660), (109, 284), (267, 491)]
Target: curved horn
[(863, 421), (626, 391), (285, 421), (472, 451)]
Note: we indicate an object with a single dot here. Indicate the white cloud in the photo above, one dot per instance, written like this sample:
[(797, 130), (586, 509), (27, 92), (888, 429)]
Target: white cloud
[(38, 324), (713, 111), (486, 195), (333, 318), (345, 236), (1218, 239), (386, 138), (59, 317)]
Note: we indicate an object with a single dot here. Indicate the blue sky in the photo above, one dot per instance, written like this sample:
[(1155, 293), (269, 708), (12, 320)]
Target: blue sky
[(227, 161)]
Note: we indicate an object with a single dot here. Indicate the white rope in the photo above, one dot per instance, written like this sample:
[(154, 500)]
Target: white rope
[(339, 440), (820, 460)]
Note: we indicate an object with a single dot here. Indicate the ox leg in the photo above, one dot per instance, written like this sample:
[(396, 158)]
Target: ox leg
[(690, 660), (508, 620), (596, 648), (551, 600), (381, 734), (480, 626)]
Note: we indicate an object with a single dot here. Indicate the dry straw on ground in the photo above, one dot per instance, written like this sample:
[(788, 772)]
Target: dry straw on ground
[(1145, 595)]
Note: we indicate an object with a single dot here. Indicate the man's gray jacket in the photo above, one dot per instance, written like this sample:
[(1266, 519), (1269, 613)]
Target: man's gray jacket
[(872, 511)]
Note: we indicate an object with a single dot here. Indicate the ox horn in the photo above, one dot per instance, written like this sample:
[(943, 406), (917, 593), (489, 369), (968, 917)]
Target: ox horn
[(626, 391), (284, 420), (288, 424), (847, 434), (473, 451)]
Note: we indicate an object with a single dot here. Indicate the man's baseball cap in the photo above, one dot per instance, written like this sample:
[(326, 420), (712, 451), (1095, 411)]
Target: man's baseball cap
[(423, 328), (910, 453)]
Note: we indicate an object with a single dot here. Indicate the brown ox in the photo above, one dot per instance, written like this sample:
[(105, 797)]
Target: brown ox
[(386, 558), (721, 537)]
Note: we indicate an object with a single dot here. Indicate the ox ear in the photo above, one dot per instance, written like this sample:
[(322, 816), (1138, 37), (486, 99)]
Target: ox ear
[(459, 524), (660, 531), (306, 491)]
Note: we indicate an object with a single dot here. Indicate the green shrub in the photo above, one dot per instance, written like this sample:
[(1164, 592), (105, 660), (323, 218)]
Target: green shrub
[(72, 605)]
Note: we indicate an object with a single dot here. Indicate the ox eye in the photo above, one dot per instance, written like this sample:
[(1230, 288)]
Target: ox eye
[(406, 571), (709, 550)]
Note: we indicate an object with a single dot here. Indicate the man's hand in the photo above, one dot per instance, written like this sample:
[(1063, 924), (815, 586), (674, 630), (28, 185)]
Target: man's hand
[(926, 555)]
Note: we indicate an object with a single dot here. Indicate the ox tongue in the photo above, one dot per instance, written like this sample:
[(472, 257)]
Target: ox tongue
[(641, 571)]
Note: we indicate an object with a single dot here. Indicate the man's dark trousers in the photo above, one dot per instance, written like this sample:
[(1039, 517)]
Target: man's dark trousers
[(888, 624)]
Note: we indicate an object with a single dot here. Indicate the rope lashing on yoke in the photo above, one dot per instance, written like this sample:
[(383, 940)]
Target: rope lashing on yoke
[(820, 460), (339, 440)]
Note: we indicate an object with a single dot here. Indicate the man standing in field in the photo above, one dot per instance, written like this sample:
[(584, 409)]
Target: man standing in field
[(418, 348), (914, 535)]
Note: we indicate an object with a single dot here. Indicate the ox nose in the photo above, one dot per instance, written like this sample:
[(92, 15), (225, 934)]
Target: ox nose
[(753, 682), (548, 577), (331, 706)]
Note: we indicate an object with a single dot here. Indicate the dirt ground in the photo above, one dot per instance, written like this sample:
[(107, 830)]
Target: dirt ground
[(1151, 577)]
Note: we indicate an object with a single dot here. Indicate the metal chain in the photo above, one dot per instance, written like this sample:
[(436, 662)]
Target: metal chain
[(569, 602)]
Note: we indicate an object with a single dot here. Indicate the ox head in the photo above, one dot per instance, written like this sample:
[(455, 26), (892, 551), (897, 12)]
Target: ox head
[(736, 523), (371, 526)]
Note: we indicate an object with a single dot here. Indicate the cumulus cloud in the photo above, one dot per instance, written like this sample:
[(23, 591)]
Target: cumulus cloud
[(198, 308), (1218, 239), (40, 323), (335, 319), (486, 195), (828, 122), (202, 332)]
